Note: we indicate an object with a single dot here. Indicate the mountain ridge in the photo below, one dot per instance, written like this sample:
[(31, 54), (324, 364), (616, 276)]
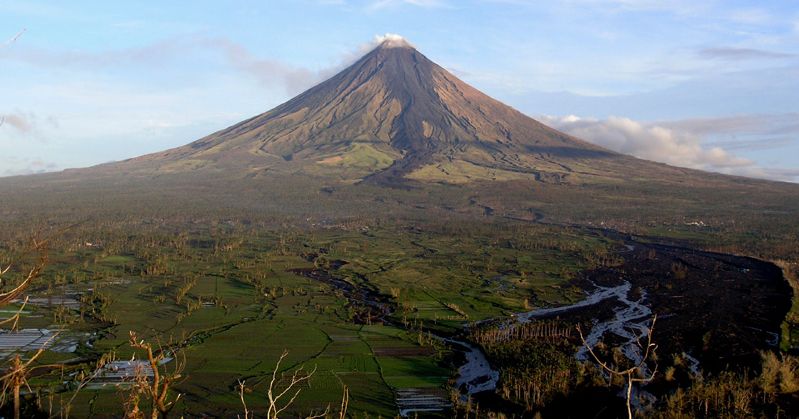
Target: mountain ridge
[(395, 117), (395, 105)]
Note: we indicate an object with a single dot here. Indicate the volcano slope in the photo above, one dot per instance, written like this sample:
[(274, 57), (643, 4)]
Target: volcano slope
[(395, 130), (396, 177)]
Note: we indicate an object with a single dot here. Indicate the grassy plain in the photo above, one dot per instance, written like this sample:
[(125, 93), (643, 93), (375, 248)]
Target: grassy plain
[(208, 265), (228, 297)]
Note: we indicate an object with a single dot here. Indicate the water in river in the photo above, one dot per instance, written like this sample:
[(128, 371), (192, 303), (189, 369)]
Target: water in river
[(631, 322)]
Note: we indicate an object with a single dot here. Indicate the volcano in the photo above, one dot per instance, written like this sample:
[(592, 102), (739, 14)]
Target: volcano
[(393, 120), (396, 116)]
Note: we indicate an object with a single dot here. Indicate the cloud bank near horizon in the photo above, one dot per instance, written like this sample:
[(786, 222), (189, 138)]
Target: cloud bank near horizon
[(679, 143)]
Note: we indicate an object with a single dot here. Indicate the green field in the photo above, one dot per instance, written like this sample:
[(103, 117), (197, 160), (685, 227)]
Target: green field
[(228, 299), (215, 276)]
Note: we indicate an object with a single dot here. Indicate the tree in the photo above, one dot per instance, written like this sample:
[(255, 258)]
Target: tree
[(16, 374), (156, 389), (635, 373), (281, 394)]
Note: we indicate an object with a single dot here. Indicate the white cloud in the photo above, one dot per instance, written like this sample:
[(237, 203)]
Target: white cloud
[(26, 123), (16, 121), (269, 72), (660, 143), (392, 40), (734, 127), (791, 175), (14, 166), (684, 143)]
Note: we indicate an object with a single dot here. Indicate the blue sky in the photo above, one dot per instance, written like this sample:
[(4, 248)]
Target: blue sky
[(712, 84)]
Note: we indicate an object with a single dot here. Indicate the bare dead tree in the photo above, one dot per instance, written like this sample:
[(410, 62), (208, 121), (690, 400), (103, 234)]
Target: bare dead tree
[(280, 400), (342, 412), (242, 390), (251, 415), (634, 374), (16, 374), (14, 319), (82, 380), (282, 393), (345, 403), (156, 389), (9, 296)]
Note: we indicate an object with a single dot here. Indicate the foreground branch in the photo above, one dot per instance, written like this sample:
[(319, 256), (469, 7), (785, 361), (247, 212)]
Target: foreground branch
[(634, 374)]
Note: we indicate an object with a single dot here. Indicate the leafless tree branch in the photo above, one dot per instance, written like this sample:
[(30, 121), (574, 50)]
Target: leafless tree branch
[(158, 389), (634, 374)]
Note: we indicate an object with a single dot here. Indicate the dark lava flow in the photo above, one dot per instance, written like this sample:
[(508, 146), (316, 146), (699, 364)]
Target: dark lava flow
[(720, 309)]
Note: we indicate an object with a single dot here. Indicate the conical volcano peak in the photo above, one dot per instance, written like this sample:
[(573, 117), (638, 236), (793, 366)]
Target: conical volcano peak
[(392, 40), (392, 114)]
